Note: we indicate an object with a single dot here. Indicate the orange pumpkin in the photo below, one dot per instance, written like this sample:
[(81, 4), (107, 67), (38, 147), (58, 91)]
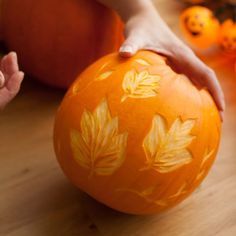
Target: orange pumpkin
[(56, 39), (135, 135), (227, 36), (199, 27)]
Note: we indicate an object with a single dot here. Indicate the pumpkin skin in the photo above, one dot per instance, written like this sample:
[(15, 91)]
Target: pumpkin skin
[(135, 135), (56, 39), (199, 27), (227, 36)]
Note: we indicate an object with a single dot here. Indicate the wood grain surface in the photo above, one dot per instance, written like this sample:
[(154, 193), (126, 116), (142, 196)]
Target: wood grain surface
[(37, 200)]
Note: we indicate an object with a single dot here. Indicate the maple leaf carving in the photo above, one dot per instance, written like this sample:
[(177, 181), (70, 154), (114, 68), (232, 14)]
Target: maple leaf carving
[(140, 85), (99, 147), (166, 150)]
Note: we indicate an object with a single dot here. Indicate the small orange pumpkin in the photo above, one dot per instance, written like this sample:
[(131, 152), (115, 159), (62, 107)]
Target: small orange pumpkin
[(135, 135), (227, 36), (56, 39), (199, 26)]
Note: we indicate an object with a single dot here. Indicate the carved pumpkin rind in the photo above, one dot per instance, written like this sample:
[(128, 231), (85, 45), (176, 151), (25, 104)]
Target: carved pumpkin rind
[(169, 139)]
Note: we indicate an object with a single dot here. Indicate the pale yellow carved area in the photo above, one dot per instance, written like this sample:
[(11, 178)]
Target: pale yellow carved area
[(143, 62), (104, 75), (99, 147), (166, 150), (207, 155), (147, 194), (140, 85), (182, 190), (75, 89)]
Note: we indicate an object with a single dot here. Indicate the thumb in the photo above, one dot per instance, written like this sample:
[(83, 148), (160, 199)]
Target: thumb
[(131, 45)]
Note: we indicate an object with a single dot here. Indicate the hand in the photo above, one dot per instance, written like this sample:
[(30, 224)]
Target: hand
[(10, 79), (146, 30)]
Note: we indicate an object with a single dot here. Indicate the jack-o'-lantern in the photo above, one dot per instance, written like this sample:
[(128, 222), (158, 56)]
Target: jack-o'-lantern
[(227, 36), (135, 135), (56, 39), (199, 27)]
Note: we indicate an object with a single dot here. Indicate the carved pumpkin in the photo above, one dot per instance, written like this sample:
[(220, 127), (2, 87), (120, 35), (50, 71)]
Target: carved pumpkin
[(135, 135), (56, 39), (227, 36), (199, 27)]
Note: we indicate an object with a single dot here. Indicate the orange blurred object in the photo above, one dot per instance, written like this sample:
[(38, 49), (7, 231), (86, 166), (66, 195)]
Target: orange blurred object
[(135, 135), (56, 39), (200, 27), (227, 36)]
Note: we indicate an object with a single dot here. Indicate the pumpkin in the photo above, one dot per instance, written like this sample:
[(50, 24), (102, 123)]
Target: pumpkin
[(199, 27), (56, 39), (227, 36), (135, 135)]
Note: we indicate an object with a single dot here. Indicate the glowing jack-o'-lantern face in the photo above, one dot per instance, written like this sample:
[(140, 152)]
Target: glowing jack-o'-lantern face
[(199, 26), (195, 24), (228, 36)]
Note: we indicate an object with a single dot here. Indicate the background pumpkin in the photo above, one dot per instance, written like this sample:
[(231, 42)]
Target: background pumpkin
[(199, 27), (143, 141), (227, 36), (56, 39)]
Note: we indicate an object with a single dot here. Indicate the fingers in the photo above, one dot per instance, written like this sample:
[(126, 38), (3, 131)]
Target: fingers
[(9, 64), (131, 45), (14, 82), (196, 70), (2, 80)]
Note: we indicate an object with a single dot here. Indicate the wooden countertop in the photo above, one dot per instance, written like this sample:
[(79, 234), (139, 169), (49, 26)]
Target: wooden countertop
[(37, 200)]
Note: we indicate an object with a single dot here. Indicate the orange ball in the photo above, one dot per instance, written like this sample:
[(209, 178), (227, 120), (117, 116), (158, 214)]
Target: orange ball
[(199, 27), (227, 36), (135, 135)]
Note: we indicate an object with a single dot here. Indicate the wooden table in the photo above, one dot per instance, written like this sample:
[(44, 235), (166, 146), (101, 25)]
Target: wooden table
[(37, 200)]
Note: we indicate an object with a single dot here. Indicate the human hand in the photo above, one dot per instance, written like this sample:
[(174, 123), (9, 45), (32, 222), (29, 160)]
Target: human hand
[(147, 30), (10, 79)]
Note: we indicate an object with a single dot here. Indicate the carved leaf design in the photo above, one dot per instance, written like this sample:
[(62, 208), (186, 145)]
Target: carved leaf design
[(143, 62), (166, 150), (207, 155), (98, 147), (148, 191), (104, 75), (147, 194), (181, 190), (140, 85)]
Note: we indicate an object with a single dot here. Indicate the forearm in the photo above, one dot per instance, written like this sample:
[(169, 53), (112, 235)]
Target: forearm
[(128, 8)]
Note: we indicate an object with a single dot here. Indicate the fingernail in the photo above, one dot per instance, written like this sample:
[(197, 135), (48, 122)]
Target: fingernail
[(126, 48), (13, 54)]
